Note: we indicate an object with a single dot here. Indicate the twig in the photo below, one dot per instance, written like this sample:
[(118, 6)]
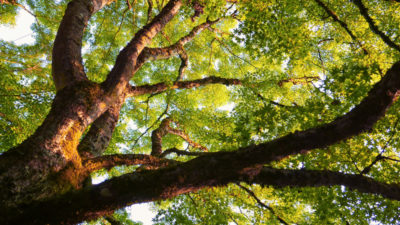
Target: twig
[(252, 194), (158, 119), (380, 155), (232, 53)]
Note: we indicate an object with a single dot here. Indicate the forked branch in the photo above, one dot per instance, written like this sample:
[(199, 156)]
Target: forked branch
[(174, 49), (162, 130), (125, 64)]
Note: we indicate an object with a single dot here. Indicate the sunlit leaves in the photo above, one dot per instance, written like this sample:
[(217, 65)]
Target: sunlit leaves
[(299, 67)]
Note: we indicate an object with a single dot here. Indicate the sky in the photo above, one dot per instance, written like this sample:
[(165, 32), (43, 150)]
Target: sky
[(22, 34)]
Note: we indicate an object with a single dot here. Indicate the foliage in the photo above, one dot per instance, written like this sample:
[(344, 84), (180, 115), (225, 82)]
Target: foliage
[(299, 67)]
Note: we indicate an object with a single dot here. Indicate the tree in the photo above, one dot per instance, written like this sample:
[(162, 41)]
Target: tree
[(312, 87)]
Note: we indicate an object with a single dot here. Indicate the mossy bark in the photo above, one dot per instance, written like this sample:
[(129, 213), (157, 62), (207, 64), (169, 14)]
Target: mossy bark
[(48, 163)]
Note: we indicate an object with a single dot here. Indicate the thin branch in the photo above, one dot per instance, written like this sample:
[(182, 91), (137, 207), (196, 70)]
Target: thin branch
[(373, 26), (264, 100), (335, 18), (149, 10), (298, 80), (161, 87), (195, 206), (152, 125), (391, 159), (174, 49), (186, 137), (252, 194), (111, 43), (380, 155), (232, 53), (169, 51)]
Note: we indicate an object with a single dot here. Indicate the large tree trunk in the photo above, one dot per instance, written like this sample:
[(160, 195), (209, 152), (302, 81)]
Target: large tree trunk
[(48, 163)]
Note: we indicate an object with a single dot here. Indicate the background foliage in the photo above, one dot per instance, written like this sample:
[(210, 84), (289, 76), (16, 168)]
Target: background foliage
[(300, 68)]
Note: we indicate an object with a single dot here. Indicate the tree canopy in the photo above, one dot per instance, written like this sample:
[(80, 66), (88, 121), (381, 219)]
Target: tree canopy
[(219, 112)]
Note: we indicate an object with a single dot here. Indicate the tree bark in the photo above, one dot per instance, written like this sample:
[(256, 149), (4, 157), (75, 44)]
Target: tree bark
[(48, 163), (41, 179)]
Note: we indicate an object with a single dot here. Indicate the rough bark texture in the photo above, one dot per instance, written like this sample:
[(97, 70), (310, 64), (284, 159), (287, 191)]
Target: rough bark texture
[(48, 163), (67, 64), (124, 66), (97, 139), (33, 170), (164, 129), (109, 161), (169, 182)]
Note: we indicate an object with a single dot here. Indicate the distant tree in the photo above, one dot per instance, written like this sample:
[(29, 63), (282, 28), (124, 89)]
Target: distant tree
[(246, 112)]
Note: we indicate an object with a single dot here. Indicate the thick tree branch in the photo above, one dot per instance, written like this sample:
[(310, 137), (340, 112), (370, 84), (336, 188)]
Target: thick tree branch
[(97, 139), (184, 63), (360, 119), (157, 135), (161, 87), (372, 25), (125, 64), (314, 178), (145, 186), (181, 152), (174, 49), (110, 161), (67, 66)]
